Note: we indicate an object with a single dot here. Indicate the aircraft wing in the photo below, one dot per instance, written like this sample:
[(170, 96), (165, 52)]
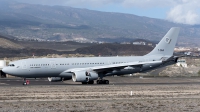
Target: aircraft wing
[(112, 66)]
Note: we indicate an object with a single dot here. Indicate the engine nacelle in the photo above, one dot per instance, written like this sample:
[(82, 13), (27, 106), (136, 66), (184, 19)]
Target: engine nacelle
[(84, 76)]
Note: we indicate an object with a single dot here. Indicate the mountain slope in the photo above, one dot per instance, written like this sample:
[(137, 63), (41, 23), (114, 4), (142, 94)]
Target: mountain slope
[(6, 43), (66, 23)]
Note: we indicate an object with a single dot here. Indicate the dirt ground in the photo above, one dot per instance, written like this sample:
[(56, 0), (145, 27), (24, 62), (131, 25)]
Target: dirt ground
[(180, 96)]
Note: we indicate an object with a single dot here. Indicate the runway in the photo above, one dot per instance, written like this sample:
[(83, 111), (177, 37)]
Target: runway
[(33, 82), (113, 81)]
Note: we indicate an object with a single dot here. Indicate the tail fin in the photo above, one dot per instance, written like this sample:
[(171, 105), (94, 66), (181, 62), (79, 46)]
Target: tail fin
[(166, 46)]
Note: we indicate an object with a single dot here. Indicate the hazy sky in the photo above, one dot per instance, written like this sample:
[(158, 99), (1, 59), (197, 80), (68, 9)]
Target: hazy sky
[(180, 11)]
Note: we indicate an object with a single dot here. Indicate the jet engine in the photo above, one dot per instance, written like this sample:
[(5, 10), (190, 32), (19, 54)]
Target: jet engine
[(84, 76), (57, 79)]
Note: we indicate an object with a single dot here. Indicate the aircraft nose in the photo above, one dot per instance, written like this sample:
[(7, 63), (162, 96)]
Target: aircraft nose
[(5, 70)]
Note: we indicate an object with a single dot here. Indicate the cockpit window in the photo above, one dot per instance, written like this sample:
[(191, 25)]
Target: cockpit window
[(11, 65)]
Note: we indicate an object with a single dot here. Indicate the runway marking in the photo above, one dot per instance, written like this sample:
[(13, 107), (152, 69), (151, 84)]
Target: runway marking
[(3, 84)]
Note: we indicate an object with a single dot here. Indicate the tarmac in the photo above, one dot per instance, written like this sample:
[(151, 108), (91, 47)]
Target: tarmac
[(113, 81)]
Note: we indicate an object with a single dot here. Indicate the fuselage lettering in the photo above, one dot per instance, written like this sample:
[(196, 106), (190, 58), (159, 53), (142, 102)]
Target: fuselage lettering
[(161, 50)]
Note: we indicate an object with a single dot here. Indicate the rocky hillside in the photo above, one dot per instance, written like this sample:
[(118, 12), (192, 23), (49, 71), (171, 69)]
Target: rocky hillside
[(115, 49), (192, 69), (6, 43), (13, 48)]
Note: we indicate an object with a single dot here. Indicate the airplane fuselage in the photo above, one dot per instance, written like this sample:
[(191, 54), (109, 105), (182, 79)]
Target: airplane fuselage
[(88, 69)]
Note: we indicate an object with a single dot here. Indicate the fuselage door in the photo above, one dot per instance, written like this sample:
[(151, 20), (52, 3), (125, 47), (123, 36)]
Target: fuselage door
[(53, 64), (145, 59), (109, 62), (24, 65)]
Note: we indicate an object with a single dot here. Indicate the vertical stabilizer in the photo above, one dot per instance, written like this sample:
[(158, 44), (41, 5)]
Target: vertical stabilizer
[(166, 46)]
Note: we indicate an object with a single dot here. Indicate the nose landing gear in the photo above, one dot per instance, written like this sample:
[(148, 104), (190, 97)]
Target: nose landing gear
[(26, 82)]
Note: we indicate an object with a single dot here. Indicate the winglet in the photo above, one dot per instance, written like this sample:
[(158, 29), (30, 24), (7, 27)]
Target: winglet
[(166, 46)]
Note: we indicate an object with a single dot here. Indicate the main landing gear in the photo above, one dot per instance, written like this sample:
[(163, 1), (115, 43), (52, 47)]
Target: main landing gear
[(90, 82), (102, 81)]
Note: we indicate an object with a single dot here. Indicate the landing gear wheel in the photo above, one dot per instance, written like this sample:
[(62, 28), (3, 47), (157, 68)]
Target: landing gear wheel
[(99, 82), (24, 83), (84, 82), (102, 81), (90, 82), (106, 82)]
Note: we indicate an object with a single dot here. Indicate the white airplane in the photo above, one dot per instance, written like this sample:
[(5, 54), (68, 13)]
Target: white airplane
[(88, 69)]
